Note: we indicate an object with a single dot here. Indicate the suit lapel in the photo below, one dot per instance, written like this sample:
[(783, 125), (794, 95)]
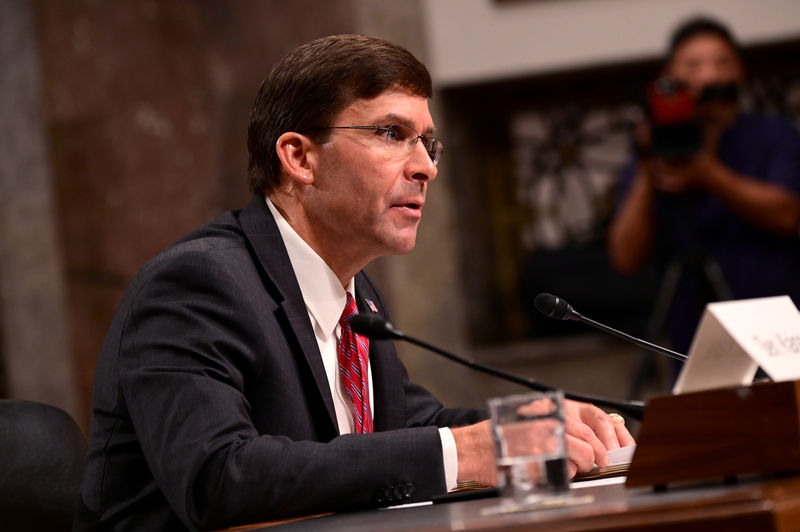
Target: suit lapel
[(262, 233)]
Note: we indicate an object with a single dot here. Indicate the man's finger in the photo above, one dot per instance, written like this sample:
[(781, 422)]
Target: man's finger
[(602, 426), (623, 435), (583, 432), (572, 468), (580, 453)]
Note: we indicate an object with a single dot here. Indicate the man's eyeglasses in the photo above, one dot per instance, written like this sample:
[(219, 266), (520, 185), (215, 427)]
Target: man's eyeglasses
[(402, 139)]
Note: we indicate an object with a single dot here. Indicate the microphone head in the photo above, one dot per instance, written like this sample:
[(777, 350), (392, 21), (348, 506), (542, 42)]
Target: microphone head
[(373, 326), (554, 307)]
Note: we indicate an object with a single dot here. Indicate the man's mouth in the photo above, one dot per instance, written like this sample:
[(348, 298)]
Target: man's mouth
[(410, 207)]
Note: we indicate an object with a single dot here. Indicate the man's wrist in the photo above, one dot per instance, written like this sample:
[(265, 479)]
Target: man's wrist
[(475, 447)]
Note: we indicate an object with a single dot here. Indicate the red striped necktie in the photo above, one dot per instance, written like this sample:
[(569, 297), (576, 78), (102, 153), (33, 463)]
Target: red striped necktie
[(353, 368)]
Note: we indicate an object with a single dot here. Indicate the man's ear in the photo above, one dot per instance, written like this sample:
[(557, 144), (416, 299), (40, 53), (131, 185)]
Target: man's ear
[(297, 156)]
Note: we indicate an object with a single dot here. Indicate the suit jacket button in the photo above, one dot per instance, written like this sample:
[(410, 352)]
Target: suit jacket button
[(388, 494), (408, 490), (400, 492), (379, 496)]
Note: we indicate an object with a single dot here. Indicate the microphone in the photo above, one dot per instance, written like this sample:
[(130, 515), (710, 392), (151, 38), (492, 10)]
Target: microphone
[(555, 307), (375, 327)]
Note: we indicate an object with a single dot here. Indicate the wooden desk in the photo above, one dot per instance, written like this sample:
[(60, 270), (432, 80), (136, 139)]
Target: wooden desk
[(772, 505)]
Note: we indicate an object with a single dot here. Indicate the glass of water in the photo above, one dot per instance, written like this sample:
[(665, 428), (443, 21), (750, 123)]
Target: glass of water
[(530, 445)]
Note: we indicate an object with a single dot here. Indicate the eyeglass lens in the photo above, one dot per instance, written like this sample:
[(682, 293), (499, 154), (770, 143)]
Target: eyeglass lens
[(409, 136)]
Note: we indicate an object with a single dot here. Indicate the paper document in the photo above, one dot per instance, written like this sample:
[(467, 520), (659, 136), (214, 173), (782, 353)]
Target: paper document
[(602, 481), (618, 462), (621, 456)]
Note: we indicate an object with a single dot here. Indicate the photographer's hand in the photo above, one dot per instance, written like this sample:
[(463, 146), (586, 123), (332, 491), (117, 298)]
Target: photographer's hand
[(761, 203), (679, 176)]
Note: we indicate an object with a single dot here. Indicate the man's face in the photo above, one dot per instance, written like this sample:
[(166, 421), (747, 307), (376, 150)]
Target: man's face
[(366, 200), (704, 60)]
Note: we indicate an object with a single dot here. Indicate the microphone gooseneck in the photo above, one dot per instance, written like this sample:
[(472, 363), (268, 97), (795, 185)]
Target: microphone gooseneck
[(375, 327), (555, 307)]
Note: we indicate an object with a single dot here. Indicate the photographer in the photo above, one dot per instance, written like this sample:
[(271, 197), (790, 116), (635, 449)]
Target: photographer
[(725, 211)]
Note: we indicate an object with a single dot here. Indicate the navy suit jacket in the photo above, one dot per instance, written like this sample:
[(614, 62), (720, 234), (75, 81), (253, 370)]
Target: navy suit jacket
[(211, 405)]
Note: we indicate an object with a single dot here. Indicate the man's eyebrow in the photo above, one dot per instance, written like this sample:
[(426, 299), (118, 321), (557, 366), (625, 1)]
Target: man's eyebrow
[(400, 120)]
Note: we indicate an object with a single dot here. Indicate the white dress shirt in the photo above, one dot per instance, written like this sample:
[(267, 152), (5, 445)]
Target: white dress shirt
[(325, 299)]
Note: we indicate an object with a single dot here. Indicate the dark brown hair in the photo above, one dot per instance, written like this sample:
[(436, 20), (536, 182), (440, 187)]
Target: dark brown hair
[(313, 84), (701, 26)]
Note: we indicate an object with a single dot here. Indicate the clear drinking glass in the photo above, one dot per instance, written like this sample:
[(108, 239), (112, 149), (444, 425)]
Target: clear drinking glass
[(530, 445)]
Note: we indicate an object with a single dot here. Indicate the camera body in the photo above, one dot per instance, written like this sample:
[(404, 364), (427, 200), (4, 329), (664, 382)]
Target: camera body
[(675, 129), (673, 114)]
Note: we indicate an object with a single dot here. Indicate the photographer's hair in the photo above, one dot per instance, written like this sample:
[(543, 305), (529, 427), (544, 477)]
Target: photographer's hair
[(701, 26), (315, 82)]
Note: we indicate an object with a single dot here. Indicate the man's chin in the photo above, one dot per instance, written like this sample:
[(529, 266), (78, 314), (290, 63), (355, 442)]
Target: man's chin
[(401, 244), (402, 250)]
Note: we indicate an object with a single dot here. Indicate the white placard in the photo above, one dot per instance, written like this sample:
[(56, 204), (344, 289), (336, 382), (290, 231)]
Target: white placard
[(735, 337)]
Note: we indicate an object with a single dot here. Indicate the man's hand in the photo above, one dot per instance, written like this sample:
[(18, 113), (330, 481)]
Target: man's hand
[(676, 177), (591, 433)]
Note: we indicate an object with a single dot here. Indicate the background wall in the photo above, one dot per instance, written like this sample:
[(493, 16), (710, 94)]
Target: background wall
[(570, 68), (124, 128), (479, 40), (35, 358)]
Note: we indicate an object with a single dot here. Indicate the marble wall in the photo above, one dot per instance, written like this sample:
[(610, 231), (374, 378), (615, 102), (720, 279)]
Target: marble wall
[(141, 111)]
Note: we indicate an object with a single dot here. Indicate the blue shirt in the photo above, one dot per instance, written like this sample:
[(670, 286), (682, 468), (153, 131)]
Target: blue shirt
[(694, 226)]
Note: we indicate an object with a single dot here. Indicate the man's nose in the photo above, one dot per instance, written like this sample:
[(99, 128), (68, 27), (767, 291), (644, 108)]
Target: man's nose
[(710, 74), (421, 164)]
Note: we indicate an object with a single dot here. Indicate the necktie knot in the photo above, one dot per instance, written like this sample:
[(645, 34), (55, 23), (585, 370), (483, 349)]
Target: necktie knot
[(350, 310)]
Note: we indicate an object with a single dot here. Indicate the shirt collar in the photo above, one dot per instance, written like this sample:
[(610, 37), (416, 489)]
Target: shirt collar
[(322, 292)]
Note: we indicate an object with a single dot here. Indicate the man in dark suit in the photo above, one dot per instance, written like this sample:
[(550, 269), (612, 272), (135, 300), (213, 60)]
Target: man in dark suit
[(230, 388)]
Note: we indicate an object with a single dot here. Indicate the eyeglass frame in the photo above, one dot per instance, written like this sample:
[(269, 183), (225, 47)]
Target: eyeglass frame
[(435, 157)]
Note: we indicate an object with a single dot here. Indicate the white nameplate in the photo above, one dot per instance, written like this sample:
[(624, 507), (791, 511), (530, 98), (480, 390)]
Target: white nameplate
[(736, 337)]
